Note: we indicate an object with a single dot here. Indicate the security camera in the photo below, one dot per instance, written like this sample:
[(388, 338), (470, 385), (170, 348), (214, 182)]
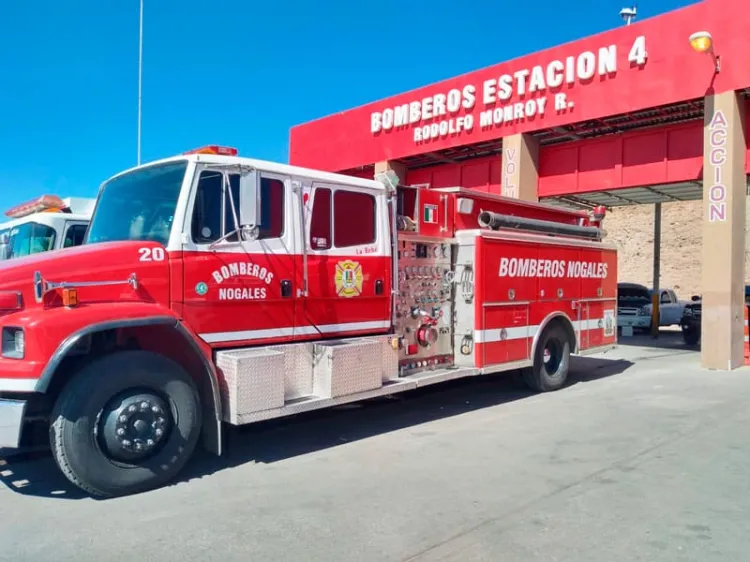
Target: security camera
[(628, 14)]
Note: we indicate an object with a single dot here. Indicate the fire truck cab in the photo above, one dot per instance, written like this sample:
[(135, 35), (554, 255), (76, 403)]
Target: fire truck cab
[(215, 290), (43, 224)]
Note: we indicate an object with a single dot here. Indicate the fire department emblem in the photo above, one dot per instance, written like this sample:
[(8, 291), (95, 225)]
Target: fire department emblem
[(348, 279)]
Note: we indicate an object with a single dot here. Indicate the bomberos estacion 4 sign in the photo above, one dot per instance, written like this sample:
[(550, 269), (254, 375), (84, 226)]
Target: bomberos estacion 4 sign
[(507, 99)]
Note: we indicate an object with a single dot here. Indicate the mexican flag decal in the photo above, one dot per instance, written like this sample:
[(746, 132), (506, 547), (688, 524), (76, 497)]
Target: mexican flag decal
[(430, 213)]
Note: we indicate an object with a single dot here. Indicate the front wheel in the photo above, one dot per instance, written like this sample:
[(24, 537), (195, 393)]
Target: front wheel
[(691, 336), (551, 360), (125, 423)]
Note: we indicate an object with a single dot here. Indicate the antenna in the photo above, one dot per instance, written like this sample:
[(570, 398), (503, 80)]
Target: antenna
[(628, 14)]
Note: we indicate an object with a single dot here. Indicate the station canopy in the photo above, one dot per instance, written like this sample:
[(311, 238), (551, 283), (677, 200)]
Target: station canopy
[(671, 114)]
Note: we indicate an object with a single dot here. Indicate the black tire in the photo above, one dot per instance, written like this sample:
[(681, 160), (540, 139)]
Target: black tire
[(76, 433), (691, 336), (551, 375)]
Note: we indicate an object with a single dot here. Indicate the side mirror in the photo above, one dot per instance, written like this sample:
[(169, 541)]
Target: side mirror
[(695, 298), (249, 200)]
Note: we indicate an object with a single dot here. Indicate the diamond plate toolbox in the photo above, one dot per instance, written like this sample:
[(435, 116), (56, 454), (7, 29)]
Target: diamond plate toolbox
[(298, 369), (347, 367), (251, 380)]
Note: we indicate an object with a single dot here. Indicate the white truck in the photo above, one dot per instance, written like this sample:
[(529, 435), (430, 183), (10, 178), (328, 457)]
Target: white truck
[(670, 307), (43, 224), (634, 306)]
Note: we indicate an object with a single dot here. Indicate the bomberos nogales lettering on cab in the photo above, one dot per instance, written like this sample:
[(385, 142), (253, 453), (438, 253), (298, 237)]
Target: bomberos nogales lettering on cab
[(242, 269)]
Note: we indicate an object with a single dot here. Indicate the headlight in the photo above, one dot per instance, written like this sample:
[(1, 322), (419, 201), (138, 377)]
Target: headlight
[(687, 312), (14, 342), (644, 312)]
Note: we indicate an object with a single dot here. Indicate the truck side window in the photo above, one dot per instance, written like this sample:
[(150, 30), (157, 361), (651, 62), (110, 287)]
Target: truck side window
[(354, 219), (206, 223), (271, 208), (320, 223), (74, 235), (212, 213)]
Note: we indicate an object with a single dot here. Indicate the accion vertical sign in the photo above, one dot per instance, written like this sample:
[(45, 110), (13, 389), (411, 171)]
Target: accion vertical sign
[(717, 193)]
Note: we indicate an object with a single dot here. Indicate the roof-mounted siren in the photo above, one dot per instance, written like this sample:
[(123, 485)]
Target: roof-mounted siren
[(628, 14), (596, 216), (214, 149), (43, 204), (598, 213)]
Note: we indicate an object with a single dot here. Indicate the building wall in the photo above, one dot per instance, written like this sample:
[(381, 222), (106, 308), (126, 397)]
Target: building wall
[(631, 230)]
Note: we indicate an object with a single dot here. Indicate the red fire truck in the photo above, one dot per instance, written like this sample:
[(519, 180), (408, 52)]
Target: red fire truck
[(214, 289)]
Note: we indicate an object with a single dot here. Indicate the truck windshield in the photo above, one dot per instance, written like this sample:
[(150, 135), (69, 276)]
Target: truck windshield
[(28, 238), (139, 205)]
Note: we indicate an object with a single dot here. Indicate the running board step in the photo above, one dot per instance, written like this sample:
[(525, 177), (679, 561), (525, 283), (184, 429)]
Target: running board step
[(312, 402)]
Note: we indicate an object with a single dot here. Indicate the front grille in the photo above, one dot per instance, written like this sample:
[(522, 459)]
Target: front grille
[(627, 311)]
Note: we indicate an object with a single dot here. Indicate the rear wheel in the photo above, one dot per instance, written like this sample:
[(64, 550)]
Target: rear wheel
[(126, 422), (551, 361)]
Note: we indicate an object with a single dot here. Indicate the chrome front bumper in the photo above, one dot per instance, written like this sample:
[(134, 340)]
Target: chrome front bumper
[(12, 413), (634, 321)]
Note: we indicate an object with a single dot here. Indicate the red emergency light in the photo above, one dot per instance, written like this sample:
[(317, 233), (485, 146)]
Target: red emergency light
[(214, 149), (43, 204)]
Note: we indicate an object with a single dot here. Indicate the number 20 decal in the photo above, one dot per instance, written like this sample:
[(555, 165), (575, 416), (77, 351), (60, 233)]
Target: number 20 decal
[(151, 254)]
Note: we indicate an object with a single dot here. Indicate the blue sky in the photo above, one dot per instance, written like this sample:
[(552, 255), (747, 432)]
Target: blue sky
[(239, 73)]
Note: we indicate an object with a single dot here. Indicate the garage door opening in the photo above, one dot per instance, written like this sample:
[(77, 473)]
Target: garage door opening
[(658, 232)]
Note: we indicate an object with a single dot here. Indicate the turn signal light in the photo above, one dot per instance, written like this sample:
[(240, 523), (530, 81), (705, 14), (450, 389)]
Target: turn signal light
[(69, 297)]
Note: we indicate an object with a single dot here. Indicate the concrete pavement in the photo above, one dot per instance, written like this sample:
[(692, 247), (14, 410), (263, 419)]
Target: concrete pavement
[(643, 457)]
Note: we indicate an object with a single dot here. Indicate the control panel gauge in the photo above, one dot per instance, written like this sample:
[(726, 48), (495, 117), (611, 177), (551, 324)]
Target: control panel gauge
[(424, 307)]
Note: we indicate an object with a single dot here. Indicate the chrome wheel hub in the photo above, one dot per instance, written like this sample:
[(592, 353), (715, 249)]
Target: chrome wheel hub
[(134, 426)]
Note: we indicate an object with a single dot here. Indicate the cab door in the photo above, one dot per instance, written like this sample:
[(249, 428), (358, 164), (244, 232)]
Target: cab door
[(239, 292), (348, 263)]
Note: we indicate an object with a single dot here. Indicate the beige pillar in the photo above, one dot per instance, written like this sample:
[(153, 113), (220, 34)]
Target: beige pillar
[(520, 171), (394, 165), (723, 267)]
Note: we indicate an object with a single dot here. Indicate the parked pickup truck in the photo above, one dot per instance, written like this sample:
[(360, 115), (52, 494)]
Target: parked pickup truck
[(691, 322), (691, 318), (634, 306), (670, 308)]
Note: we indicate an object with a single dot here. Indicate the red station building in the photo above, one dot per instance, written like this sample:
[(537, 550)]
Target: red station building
[(645, 113)]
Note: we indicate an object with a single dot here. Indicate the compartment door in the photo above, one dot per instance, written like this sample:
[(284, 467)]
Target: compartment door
[(582, 325), (505, 337)]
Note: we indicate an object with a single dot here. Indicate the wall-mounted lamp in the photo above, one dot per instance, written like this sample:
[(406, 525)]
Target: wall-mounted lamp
[(702, 42)]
